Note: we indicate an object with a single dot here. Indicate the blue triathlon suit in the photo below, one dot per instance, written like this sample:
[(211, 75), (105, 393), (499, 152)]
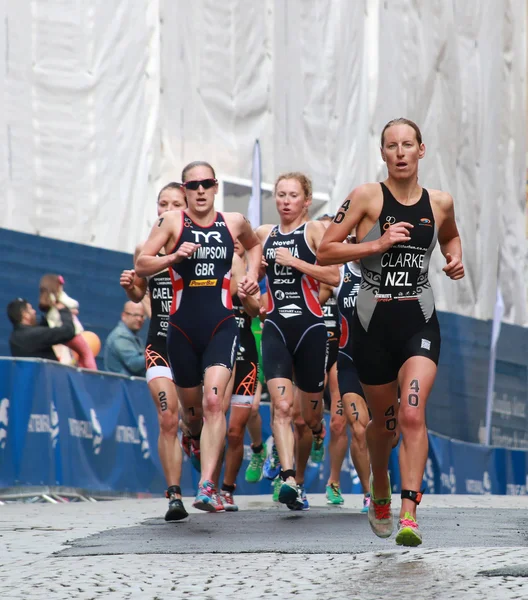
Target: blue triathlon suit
[(333, 329), (395, 315), (294, 338), (346, 293), (202, 328), (246, 374)]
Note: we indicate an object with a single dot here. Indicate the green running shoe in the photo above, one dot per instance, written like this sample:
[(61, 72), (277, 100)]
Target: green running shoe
[(254, 469), (333, 494), (408, 532), (318, 450), (277, 482)]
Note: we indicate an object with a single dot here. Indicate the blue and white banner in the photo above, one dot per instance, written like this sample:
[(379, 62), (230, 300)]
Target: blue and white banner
[(92, 431)]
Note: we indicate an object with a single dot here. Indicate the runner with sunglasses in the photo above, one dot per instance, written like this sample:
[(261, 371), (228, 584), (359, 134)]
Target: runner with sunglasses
[(395, 330), (157, 291), (294, 339), (202, 333)]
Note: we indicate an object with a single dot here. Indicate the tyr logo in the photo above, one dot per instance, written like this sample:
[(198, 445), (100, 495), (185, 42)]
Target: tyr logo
[(206, 235)]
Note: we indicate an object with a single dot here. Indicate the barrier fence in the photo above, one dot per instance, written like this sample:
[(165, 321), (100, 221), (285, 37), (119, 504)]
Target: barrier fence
[(66, 427)]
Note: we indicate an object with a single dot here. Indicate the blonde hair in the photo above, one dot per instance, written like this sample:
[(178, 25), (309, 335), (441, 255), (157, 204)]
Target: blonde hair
[(49, 287), (306, 183)]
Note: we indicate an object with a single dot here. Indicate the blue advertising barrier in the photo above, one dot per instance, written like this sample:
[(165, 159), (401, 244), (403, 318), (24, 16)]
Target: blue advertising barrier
[(457, 405), (94, 431)]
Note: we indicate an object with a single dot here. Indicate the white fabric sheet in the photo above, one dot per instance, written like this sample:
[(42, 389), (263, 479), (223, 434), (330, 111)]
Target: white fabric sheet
[(106, 102)]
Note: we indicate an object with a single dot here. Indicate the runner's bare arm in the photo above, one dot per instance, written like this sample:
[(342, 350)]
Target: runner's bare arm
[(253, 247), (262, 233), (165, 229), (328, 275), (350, 214), (325, 293), (251, 304), (449, 238)]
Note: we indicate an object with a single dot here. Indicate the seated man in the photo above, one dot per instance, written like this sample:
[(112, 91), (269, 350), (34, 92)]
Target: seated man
[(29, 339), (124, 350)]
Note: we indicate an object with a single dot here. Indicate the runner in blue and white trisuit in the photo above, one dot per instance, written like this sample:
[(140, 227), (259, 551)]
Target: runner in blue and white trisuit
[(395, 333), (351, 406), (294, 336)]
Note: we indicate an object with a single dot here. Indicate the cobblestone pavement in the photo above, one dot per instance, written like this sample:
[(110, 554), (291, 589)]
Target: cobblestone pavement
[(31, 535)]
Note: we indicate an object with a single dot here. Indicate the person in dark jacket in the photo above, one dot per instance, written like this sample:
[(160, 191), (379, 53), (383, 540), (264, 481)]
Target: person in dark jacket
[(32, 340)]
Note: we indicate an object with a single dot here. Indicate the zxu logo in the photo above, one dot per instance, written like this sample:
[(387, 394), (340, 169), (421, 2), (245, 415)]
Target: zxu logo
[(206, 235)]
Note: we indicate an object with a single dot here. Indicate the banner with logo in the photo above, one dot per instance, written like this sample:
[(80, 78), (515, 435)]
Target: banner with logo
[(29, 451), (97, 432), (65, 427)]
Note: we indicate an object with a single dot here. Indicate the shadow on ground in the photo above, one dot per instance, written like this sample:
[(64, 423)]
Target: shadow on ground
[(318, 531)]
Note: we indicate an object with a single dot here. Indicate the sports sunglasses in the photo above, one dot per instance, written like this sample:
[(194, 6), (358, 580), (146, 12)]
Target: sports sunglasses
[(205, 183)]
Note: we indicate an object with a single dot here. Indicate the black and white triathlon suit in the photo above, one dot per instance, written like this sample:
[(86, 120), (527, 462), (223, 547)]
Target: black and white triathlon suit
[(246, 373), (347, 292), (202, 328), (294, 335), (395, 311), (333, 329), (160, 294)]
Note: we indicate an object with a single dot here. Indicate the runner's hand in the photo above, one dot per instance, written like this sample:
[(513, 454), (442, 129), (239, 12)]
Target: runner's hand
[(284, 257), (186, 250), (262, 270), (126, 280), (395, 234), (241, 292), (454, 267), (248, 286)]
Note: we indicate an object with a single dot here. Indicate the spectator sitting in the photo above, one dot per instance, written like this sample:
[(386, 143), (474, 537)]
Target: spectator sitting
[(32, 340), (124, 349)]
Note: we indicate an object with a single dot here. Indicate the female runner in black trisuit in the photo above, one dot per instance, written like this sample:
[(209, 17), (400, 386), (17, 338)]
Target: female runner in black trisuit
[(396, 337)]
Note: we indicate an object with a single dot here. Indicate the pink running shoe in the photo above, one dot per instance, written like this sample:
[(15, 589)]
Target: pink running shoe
[(229, 502), (204, 498), (218, 502)]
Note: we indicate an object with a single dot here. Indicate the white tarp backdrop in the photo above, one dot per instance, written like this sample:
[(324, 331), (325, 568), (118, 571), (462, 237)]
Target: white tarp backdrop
[(106, 101)]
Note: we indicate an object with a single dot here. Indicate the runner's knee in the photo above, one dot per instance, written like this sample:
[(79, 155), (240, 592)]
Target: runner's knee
[(337, 426), (300, 425), (282, 410), (411, 421), (235, 436), (359, 430), (168, 422), (212, 402)]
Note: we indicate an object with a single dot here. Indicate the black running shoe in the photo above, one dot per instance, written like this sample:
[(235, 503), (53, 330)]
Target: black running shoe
[(176, 510)]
